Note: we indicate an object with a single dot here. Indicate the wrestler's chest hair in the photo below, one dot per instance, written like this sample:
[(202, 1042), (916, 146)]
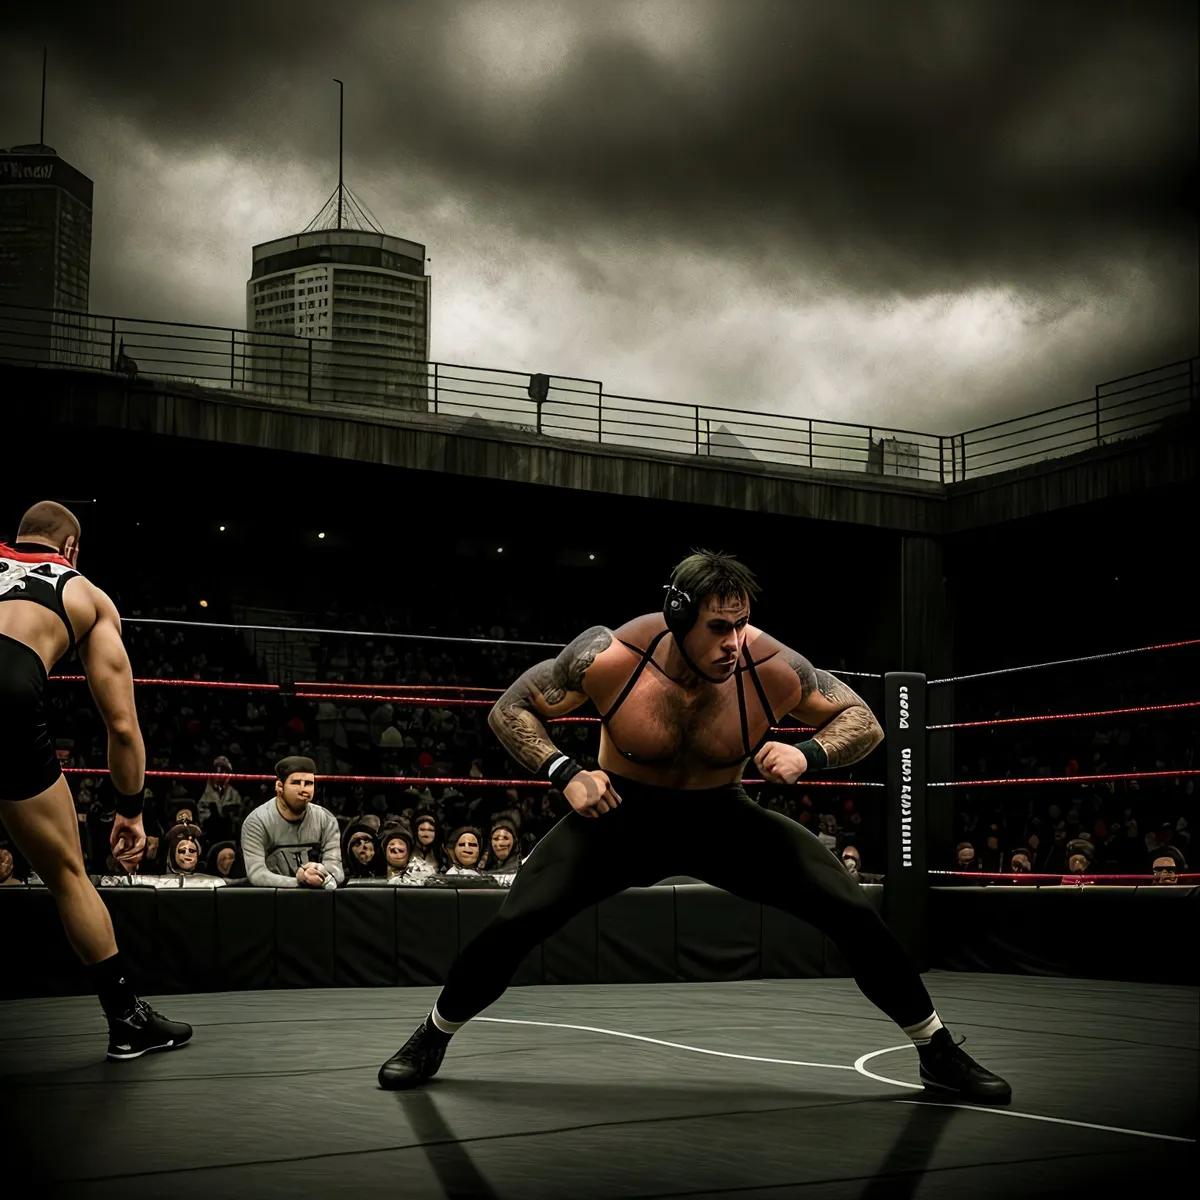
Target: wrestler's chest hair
[(663, 712)]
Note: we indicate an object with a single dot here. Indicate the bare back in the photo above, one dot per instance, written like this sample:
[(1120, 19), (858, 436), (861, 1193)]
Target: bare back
[(43, 630), (46, 605)]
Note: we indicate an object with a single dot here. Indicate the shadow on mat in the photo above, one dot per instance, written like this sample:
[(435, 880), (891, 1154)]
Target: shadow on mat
[(560, 1106), (902, 1171), (569, 1102), (447, 1158)]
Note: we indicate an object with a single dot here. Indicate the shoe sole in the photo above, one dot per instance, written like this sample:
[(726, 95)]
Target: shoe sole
[(125, 1057), (406, 1084), (943, 1089), (402, 1087)]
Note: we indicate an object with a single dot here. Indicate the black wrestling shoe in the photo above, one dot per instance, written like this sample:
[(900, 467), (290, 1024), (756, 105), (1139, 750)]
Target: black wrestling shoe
[(951, 1071), (417, 1060), (144, 1030)]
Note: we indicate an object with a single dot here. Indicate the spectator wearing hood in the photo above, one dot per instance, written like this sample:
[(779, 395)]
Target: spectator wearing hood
[(427, 848), (464, 848), (1079, 855), (180, 811), (181, 850), (219, 793), (225, 861), (851, 858), (400, 869), (360, 852), (1168, 862), (1020, 866), (965, 859), (503, 856)]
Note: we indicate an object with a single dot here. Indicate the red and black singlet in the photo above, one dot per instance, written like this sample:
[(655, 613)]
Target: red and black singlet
[(37, 574)]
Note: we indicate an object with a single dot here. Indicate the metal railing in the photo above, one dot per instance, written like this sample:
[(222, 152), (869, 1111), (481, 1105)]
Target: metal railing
[(374, 379), (1119, 409)]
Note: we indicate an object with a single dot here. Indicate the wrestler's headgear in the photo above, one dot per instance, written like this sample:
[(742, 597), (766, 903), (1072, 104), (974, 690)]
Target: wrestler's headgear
[(679, 611), (292, 764)]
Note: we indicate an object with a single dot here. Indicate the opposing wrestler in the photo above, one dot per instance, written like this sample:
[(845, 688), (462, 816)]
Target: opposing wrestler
[(47, 609), (687, 697)]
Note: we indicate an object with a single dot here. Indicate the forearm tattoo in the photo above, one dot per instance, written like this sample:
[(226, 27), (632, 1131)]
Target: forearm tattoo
[(853, 732), (554, 684)]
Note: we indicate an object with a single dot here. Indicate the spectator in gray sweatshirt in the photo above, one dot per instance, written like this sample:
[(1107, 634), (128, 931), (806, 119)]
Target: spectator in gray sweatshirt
[(290, 841)]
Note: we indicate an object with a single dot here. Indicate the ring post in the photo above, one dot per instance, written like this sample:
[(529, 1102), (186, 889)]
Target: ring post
[(906, 888)]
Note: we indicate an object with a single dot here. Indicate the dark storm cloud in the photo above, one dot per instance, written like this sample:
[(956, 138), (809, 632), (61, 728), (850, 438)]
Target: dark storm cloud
[(911, 146), (912, 210)]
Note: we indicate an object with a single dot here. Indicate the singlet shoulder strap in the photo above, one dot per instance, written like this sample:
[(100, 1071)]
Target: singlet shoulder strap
[(741, 691), (758, 687), (647, 655), (762, 699), (72, 644)]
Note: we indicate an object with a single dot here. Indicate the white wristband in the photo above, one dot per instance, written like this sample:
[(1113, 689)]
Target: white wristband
[(555, 764)]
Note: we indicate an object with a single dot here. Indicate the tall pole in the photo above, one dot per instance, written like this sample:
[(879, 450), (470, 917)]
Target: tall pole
[(42, 131), (341, 98)]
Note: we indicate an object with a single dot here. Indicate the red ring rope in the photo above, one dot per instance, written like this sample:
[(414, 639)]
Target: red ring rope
[(1056, 877), (207, 683), (428, 701), (387, 687), (416, 701), (1105, 712), (451, 702), (1067, 778), (410, 779)]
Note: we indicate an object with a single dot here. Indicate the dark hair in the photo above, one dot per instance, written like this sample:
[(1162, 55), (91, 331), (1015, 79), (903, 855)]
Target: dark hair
[(1172, 852), (295, 764), (451, 842), (707, 573), (49, 520), (396, 831)]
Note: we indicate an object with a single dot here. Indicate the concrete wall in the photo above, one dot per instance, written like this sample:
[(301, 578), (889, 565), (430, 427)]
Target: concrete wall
[(44, 400)]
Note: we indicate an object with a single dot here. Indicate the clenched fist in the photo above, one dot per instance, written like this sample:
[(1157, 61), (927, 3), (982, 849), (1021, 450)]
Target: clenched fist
[(590, 793), (780, 763)]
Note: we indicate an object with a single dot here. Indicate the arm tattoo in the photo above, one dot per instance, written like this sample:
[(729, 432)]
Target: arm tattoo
[(853, 732), (851, 735), (515, 718)]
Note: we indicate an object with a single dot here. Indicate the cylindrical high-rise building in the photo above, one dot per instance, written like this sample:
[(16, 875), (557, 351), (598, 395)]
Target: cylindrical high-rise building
[(359, 300)]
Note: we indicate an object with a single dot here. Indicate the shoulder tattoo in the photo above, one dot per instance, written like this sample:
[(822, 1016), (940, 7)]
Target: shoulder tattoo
[(814, 680), (566, 672)]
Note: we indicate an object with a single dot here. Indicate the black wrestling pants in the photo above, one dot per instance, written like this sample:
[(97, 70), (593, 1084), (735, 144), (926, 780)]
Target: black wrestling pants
[(718, 835), (30, 762)]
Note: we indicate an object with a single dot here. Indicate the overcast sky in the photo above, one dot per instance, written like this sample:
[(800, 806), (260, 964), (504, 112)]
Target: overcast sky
[(926, 213)]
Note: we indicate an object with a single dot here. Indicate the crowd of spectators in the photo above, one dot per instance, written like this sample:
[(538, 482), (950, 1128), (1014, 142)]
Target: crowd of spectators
[(403, 834), (1097, 827), (410, 833)]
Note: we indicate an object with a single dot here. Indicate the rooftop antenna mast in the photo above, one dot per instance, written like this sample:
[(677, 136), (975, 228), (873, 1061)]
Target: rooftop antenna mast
[(341, 105), (42, 131)]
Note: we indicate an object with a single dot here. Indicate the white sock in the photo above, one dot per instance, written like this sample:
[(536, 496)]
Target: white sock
[(922, 1034), (447, 1027)]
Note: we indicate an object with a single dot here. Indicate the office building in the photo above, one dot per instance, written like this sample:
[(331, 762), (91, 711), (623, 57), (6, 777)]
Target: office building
[(339, 314), (45, 254)]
